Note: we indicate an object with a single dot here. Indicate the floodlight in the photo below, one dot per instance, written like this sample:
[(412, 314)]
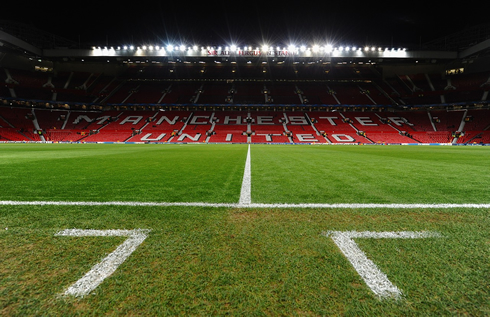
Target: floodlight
[(233, 47)]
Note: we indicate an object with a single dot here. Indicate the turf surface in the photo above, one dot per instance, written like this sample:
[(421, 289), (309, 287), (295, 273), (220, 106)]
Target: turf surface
[(243, 261)]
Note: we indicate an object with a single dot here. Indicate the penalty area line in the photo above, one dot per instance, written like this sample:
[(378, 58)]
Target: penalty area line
[(237, 205)]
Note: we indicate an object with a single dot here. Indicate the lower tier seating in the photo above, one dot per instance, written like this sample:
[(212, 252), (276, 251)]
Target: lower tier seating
[(26, 124)]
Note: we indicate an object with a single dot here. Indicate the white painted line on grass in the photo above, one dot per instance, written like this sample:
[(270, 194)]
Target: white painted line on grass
[(360, 206), (376, 280), (115, 203), (246, 192), (236, 205), (110, 263)]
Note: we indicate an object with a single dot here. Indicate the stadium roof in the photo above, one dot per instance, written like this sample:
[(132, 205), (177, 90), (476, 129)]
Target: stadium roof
[(206, 30), (220, 22)]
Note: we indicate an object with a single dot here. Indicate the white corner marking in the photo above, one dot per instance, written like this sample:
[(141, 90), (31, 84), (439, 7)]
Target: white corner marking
[(110, 263), (376, 280)]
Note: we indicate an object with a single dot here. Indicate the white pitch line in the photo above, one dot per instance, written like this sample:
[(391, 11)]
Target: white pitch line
[(246, 192), (237, 205), (374, 278), (100, 271)]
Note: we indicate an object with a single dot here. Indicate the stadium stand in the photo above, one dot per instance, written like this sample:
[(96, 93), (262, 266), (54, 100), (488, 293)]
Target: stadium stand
[(57, 125), (284, 97)]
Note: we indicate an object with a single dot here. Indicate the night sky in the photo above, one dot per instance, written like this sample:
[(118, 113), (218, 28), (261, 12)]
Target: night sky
[(246, 22)]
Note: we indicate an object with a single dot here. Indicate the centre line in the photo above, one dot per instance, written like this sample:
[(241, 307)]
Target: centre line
[(246, 192)]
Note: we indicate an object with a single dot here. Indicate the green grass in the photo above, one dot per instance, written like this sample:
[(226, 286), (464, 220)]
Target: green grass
[(243, 261), (94, 172), (370, 174)]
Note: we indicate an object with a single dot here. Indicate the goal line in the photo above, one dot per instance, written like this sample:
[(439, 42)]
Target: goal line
[(236, 205)]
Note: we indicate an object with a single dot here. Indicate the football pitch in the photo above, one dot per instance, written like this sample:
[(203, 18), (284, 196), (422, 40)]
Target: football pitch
[(205, 229)]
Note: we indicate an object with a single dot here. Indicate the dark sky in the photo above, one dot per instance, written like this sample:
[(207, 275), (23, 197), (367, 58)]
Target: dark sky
[(221, 22)]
